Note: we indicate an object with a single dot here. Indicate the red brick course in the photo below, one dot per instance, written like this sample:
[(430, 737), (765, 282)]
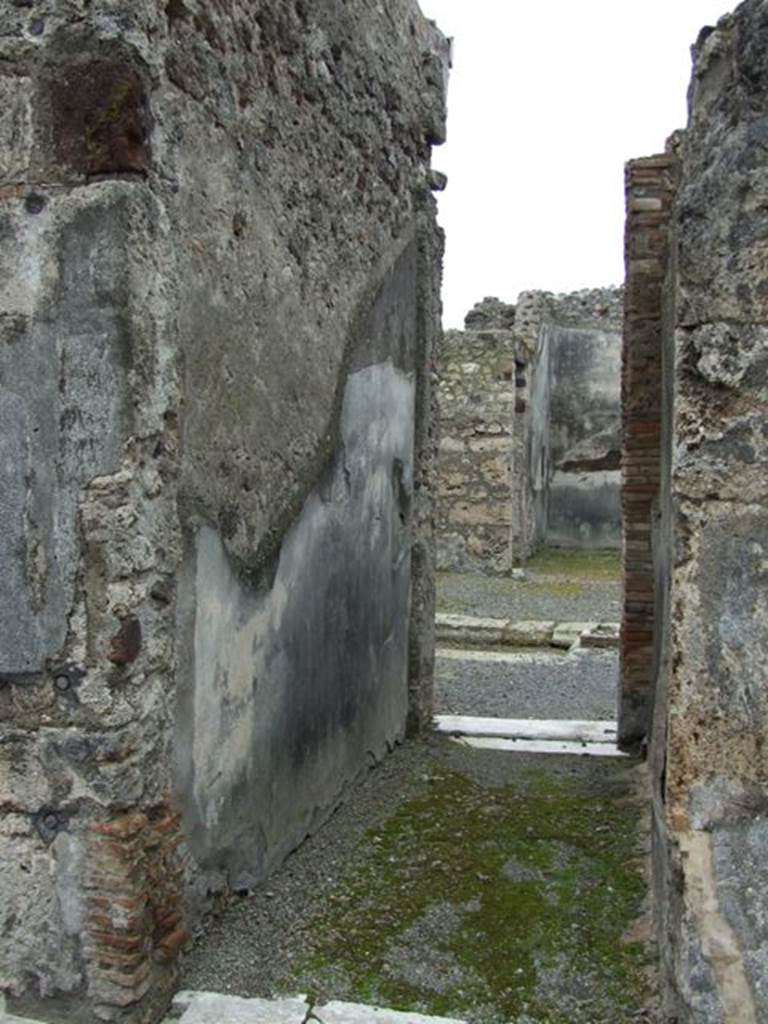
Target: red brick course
[(135, 921), (650, 190)]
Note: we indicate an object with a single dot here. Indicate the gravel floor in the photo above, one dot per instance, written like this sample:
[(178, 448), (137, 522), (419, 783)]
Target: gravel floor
[(253, 947), (539, 596), (579, 684), (422, 930), (281, 939)]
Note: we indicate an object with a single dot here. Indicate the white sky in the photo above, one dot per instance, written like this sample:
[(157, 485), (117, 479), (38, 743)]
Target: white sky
[(547, 100)]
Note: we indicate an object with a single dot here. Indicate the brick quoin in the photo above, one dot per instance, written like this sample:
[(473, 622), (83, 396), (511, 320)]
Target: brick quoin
[(135, 927), (650, 191)]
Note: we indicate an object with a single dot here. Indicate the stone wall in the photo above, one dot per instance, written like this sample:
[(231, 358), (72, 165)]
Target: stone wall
[(477, 394), (710, 737), (529, 429), (218, 304)]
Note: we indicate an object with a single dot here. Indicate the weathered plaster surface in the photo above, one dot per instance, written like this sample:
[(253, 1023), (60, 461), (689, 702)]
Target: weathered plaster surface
[(63, 404), (295, 689), (583, 504)]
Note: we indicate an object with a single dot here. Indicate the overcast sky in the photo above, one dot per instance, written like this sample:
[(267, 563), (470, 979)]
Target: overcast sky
[(547, 101)]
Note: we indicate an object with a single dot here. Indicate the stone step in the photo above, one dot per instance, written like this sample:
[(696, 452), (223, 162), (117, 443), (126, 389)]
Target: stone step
[(532, 735), (563, 729)]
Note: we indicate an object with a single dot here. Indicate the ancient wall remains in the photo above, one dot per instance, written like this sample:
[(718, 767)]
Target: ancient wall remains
[(477, 395), (710, 736), (650, 189), (529, 429), (218, 300)]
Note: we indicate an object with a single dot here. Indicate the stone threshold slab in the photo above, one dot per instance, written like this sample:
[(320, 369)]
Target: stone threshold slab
[(540, 746), (356, 1013), (476, 631), (539, 656), (561, 729), (213, 1008)]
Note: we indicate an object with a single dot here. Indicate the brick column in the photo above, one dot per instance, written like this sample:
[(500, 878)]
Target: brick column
[(650, 190)]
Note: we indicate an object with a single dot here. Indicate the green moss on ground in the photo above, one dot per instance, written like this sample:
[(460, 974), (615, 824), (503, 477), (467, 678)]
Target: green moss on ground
[(539, 880), (584, 565), (555, 588)]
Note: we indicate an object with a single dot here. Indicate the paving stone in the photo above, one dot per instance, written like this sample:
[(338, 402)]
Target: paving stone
[(605, 634), (476, 630), (356, 1013), (531, 633), (211, 1008), (566, 634)]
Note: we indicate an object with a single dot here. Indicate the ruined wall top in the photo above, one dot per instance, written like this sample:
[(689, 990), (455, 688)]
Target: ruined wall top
[(588, 307), (490, 312)]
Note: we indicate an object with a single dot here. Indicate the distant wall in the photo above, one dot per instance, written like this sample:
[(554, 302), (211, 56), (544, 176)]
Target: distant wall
[(477, 397), (584, 506), (536, 385)]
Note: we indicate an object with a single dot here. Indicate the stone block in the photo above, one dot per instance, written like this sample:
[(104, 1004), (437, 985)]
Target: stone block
[(356, 1013), (212, 1008), (536, 633), (15, 128)]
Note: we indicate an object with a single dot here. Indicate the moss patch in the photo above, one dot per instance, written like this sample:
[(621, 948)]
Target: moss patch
[(495, 903), (585, 565), (556, 588)]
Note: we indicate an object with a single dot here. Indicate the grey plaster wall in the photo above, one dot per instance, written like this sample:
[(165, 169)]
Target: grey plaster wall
[(295, 678), (585, 425)]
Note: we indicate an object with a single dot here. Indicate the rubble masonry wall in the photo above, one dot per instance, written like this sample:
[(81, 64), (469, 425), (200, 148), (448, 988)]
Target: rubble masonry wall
[(218, 301), (709, 747)]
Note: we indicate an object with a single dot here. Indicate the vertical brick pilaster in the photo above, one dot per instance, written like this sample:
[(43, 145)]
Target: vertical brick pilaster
[(650, 192), (135, 926)]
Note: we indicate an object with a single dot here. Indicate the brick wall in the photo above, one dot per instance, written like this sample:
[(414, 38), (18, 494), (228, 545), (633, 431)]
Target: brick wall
[(135, 922), (650, 189)]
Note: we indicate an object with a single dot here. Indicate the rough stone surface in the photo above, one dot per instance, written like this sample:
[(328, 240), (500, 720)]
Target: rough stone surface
[(218, 300), (711, 706), (477, 394)]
